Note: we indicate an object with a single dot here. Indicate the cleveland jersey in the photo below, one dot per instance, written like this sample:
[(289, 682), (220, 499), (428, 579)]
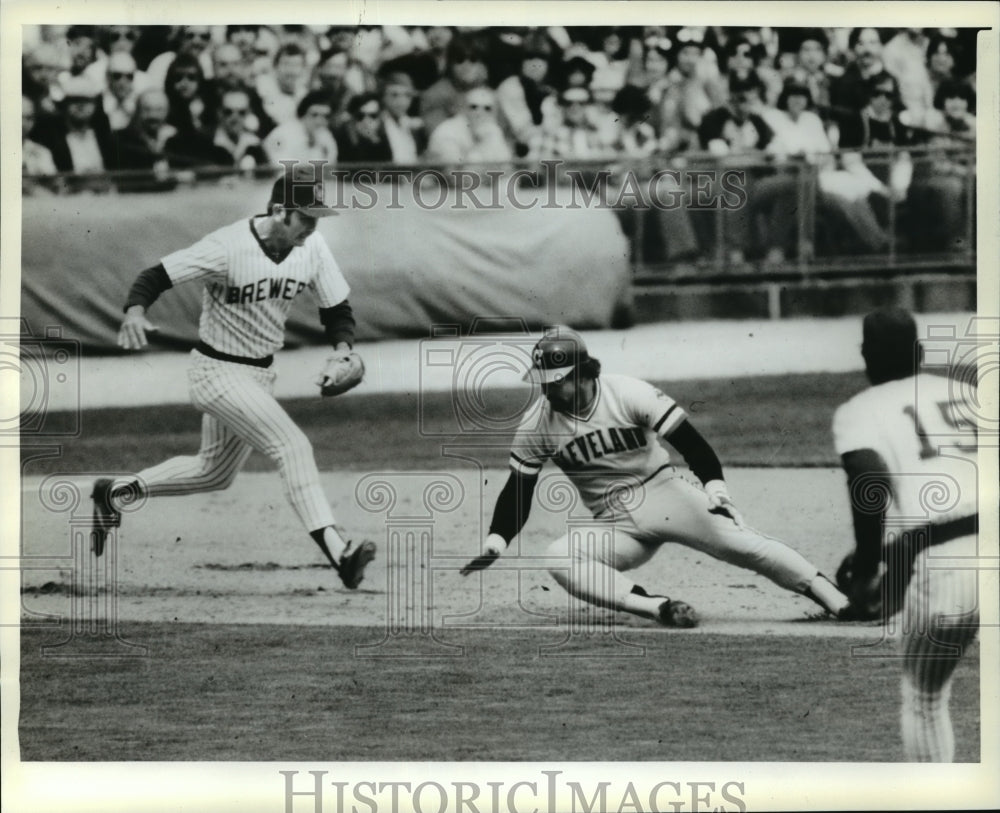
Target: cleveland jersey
[(615, 444), (248, 295), (923, 429)]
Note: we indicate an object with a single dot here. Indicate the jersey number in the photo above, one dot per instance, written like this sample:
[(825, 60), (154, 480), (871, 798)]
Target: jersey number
[(949, 411)]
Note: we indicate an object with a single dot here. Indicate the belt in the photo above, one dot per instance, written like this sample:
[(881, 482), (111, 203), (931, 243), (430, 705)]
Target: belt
[(211, 352)]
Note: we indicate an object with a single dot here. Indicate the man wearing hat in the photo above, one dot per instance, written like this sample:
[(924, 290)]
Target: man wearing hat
[(78, 140), (251, 271), (604, 432)]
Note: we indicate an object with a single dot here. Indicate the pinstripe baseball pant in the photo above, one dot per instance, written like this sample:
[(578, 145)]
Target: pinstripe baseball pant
[(940, 620), (241, 414)]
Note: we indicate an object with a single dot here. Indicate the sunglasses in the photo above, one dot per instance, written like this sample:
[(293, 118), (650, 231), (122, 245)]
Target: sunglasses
[(120, 75), (235, 111)]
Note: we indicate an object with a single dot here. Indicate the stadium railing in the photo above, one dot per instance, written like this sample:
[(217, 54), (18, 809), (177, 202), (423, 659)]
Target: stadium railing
[(688, 215)]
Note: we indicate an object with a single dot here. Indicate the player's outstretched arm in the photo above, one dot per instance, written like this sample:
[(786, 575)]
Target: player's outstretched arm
[(509, 515), (144, 292), (704, 464), (870, 490)]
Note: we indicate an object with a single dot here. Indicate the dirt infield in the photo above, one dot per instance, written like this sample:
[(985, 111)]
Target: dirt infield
[(237, 557)]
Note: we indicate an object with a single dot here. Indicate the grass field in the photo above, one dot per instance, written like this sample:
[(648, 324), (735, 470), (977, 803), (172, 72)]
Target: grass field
[(265, 693), (761, 421)]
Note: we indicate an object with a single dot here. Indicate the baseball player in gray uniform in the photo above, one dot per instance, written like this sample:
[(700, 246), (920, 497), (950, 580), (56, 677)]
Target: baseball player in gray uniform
[(604, 432), (908, 445), (251, 271)]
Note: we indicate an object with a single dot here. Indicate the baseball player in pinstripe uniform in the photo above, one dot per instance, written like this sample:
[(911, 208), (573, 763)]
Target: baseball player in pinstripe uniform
[(908, 445), (251, 271), (604, 432)]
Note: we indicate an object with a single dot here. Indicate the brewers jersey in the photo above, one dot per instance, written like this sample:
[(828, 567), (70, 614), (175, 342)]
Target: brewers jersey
[(925, 432), (248, 293), (616, 443)]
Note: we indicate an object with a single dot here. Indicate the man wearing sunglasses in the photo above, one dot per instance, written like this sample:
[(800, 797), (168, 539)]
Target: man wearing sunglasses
[(473, 136), (124, 83), (362, 139)]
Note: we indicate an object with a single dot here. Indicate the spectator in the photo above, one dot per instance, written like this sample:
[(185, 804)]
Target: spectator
[(361, 46), (814, 69), (943, 54), (611, 61), (473, 135), (424, 66), (192, 40), (878, 122), (232, 73), (578, 72), (576, 138), (849, 93), (142, 145), (656, 67), (82, 46), (330, 77), (308, 137), (236, 134), (527, 103), (192, 104), (116, 39), (244, 37), (939, 194), (905, 57), (688, 96), (466, 70), (405, 134), (739, 131), (667, 233), (636, 137), (118, 100), (79, 142), (36, 160), (737, 128), (799, 136), (41, 67), (362, 140), (954, 112), (283, 89), (882, 181)]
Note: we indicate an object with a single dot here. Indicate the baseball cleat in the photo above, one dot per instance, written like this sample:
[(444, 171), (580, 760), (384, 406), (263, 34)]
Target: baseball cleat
[(353, 563), (106, 516), (677, 614)]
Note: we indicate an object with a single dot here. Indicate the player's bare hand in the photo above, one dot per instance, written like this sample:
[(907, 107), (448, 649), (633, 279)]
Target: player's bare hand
[(133, 330), (719, 502), (492, 548)]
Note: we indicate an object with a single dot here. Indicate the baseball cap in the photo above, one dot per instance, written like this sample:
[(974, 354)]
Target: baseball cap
[(556, 355), (302, 191)]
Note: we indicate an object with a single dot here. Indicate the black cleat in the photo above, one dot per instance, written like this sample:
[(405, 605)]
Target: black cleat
[(353, 562), (677, 614), (106, 516)]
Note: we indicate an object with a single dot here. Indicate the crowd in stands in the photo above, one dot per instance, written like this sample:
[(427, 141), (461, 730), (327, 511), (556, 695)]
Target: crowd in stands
[(159, 100)]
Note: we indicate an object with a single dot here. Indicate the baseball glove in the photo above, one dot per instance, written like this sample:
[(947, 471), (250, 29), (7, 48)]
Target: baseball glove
[(343, 372)]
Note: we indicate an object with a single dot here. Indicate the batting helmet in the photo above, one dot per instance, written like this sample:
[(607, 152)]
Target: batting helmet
[(556, 355)]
